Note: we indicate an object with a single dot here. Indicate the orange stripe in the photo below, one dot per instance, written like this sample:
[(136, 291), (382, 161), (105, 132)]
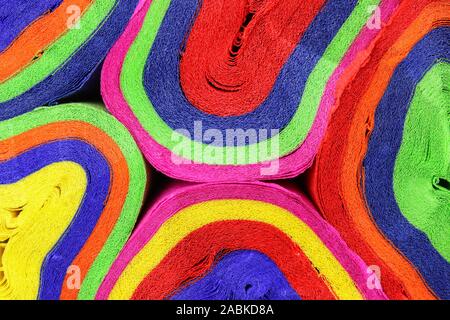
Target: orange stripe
[(119, 181), (33, 41), (357, 147), (350, 157)]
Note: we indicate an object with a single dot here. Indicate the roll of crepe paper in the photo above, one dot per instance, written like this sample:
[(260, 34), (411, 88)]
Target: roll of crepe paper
[(49, 48), (235, 90), (71, 186), (382, 175), (193, 235)]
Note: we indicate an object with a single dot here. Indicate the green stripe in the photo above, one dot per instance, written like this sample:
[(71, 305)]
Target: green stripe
[(289, 138), (59, 52), (422, 167), (93, 115)]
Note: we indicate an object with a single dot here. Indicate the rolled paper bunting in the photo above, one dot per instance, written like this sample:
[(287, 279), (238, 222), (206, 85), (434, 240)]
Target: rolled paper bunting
[(193, 235), (235, 90), (72, 182), (50, 48), (381, 177)]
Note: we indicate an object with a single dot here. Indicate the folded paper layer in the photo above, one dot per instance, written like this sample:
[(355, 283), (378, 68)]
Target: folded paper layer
[(241, 275), (49, 50), (235, 90), (190, 232), (381, 176), (71, 186)]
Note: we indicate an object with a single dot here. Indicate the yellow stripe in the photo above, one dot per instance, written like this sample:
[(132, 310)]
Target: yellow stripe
[(199, 215), (34, 213)]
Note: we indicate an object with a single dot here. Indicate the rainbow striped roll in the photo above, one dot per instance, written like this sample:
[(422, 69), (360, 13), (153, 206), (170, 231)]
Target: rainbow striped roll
[(208, 241), (382, 176), (72, 182), (50, 48), (235, 90)]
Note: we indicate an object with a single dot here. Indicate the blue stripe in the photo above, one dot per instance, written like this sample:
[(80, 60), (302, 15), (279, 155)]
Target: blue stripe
[(162, 74), (241, 275), (98, 173), (71, 76), (379, 163), (16, 15)]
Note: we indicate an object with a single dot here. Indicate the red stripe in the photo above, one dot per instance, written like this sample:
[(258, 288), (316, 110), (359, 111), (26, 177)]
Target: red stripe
[(236, 50), (192, 257)]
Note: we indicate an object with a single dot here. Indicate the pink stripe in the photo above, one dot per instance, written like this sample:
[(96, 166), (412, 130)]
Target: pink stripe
[(181, 196), (160, 157)]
